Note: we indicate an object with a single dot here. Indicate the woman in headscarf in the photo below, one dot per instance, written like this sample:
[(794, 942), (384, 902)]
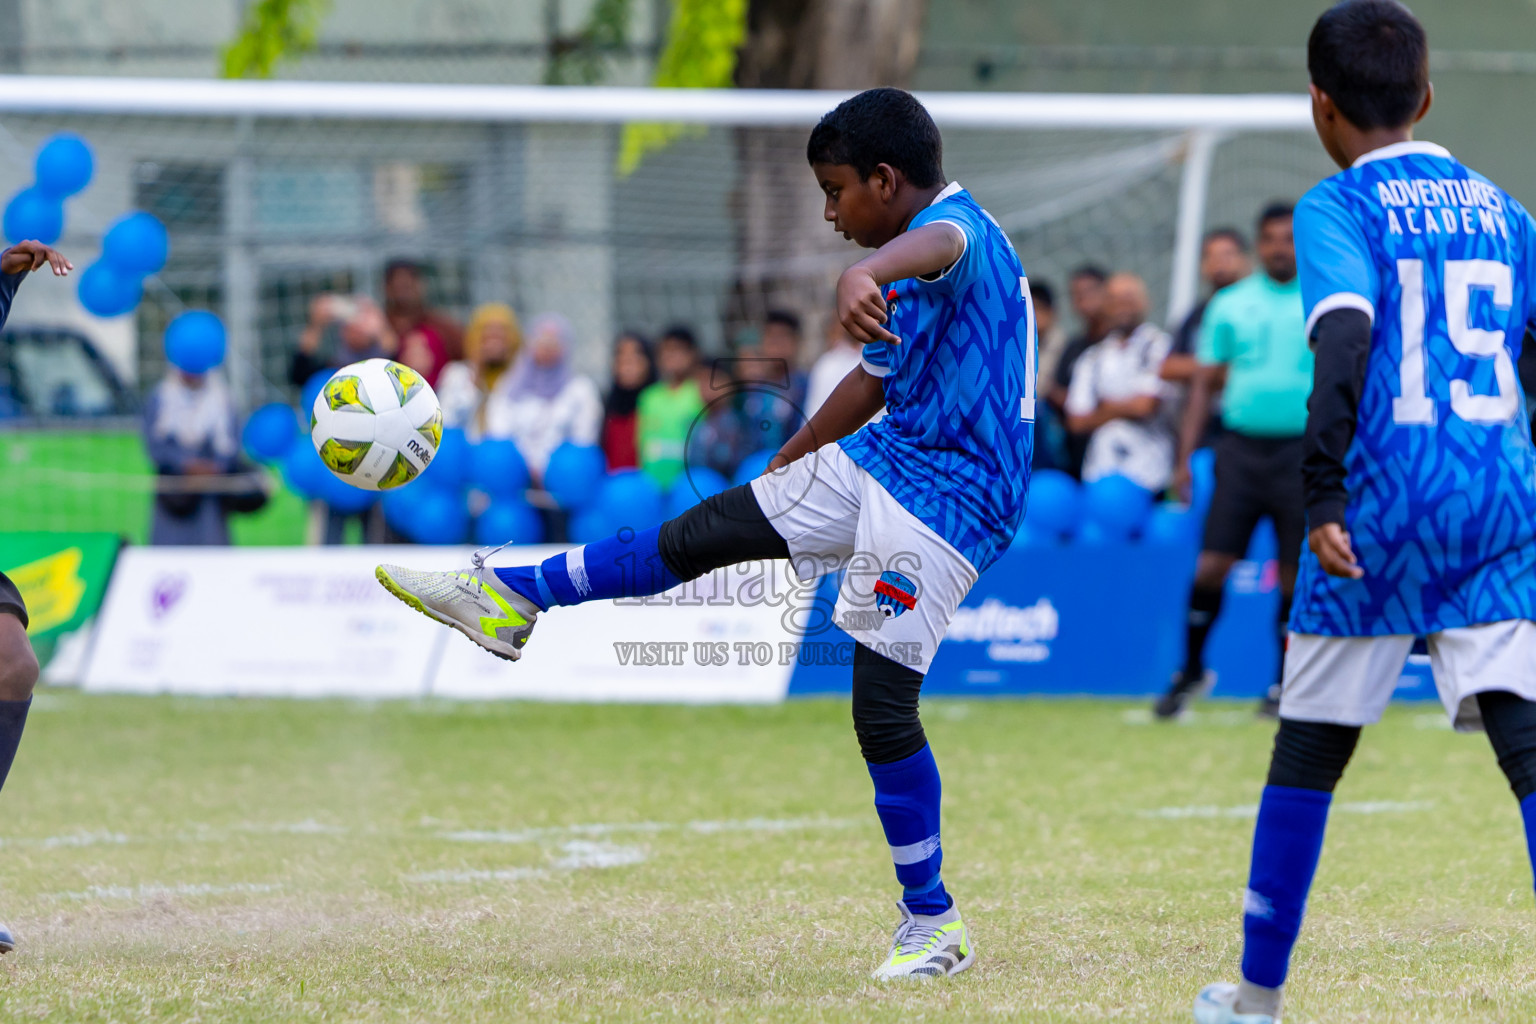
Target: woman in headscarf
[(543, 402), (633, 371), (492, 341), (191, 435)]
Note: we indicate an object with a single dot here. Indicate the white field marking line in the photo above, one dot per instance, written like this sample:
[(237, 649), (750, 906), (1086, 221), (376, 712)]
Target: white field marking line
[(497, 875), (577, 855), (1252, 810), (1143, 716), (150, 891), (102, 838), (1432, 722), (533, 835)]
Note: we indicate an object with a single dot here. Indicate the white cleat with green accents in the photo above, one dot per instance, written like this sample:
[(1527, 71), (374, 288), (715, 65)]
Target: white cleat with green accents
[(473, 601), (927, 946)]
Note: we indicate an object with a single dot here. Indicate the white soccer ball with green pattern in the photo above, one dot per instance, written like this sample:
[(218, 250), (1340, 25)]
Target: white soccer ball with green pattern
[(376, 424)]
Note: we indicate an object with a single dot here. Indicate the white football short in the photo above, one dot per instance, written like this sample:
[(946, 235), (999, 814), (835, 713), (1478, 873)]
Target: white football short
[(902, 582), (1348, 680)]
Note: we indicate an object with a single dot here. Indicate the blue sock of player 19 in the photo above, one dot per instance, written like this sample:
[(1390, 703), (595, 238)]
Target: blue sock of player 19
[(1286, 843), (626, 565), (907, 797), (13, 718), (1528, 812)]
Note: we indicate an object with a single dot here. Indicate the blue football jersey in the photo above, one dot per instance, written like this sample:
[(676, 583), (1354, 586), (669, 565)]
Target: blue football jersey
[(955, 445), (1441, 474)]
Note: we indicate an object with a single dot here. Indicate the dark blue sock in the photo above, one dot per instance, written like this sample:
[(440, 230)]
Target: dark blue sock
[(1286, 843), (1528, 812), (625, 565), (13, 718), (907, 795)]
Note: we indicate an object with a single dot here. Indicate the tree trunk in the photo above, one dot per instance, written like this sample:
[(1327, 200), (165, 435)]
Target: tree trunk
[(789, 256)]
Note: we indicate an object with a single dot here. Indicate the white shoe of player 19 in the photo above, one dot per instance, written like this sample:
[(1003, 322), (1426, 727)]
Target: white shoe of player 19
[(927, 946), (1216, 1005), (7, 940), (474, 602)]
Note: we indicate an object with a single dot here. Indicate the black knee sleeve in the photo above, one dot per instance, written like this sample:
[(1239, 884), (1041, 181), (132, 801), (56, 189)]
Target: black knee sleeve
[(1311, 755), (885, 707), (723, 529), (1510, 722)]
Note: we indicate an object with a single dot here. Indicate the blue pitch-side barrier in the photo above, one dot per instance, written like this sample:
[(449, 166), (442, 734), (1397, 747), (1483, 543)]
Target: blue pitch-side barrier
[(1102, 620)]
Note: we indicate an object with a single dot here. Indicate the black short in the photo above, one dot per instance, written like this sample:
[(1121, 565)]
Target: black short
[(10, 600), (1256, 477)]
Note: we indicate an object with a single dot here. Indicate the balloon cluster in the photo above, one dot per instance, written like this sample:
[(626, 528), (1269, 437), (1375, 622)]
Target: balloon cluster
[(135, 246), (63, 167), (1113, 509)]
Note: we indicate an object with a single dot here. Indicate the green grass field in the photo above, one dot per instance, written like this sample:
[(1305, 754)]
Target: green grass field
[(221, 860)]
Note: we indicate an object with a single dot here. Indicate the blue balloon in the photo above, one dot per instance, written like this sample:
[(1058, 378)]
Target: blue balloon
[(343, 497), (509, 522), (440, 517), (692, 487), (575, 475), (310, 393), (305, 474), (630, 498), (1092, 535), (498, 468), (400, 507), (1033, 537), (449, 469), (64, 166), (1055, 506), (136, 245), (1172, 526), (270, 432), (194, 341), (753, 466), (588, 526), (33, 216), (1117, 506), (1202, 483), (106, 293)]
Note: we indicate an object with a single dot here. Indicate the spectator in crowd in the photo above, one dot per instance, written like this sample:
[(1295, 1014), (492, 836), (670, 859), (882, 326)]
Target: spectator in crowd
[(422, 350), (775, 407), (192, 436), (1223, 262), (492, 341), (544, 403), (721, 437), (1117, 400), (1086, 289), (405, 305), (1050, 342), (836, 361), (668, 408), (341, 330), (633, 371)]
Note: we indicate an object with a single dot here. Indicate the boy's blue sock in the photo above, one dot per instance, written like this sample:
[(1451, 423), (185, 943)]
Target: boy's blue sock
[(907, 794), (1286, 843), (1528, 812), (13, 718), (626, 565)]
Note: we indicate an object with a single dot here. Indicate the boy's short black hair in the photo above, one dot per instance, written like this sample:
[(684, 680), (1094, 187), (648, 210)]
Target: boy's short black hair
[(1231, 234), (680, 333), (880, 126), (784, 318), (1042, 295), (1279, 209), (1092, 270), (1372, 59)]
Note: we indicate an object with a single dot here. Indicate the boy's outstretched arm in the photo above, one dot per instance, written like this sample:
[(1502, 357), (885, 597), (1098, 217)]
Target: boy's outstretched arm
[(20, 260), (1342, 340), (921, 252), (856, 398)]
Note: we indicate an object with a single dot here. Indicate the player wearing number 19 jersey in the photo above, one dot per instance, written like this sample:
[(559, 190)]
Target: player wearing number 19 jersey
[(1418, 279)]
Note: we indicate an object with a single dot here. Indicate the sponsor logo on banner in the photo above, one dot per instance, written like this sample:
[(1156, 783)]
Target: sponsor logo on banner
[(1011, 633), (51, 587)]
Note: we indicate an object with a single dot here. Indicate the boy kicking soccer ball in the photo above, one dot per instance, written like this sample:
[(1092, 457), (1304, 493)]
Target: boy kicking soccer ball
[(1420, 478), (927, 497)]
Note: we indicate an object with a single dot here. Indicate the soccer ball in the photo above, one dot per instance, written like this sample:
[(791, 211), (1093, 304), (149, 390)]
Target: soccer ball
[(376, 424)]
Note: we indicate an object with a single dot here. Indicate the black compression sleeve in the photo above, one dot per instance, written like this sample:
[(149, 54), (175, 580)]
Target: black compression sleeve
[(8, 285), (1342, 341)]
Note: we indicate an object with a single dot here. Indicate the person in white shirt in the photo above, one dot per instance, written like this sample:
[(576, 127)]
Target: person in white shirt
[(1117, 396), (835, 362), (543, 403), (492, 341)]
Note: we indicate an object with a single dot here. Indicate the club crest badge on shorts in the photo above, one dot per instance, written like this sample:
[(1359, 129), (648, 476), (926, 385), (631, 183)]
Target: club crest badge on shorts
[(894, 594)]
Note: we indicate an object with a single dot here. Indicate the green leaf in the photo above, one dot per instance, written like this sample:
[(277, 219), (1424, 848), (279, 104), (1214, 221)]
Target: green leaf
[(273, 31)]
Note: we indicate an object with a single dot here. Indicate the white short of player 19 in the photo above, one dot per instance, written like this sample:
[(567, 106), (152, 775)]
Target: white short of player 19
[(834, 515), (1348, 680)]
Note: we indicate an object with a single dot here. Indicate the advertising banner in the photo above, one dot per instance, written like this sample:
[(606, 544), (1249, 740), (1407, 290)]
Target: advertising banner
[(62, 576)]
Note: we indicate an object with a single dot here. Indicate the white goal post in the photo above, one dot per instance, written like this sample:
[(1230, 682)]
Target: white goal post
[(1089, 158)]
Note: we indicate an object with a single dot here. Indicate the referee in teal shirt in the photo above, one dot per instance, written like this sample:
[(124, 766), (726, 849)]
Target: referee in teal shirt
[(1253, 351)]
